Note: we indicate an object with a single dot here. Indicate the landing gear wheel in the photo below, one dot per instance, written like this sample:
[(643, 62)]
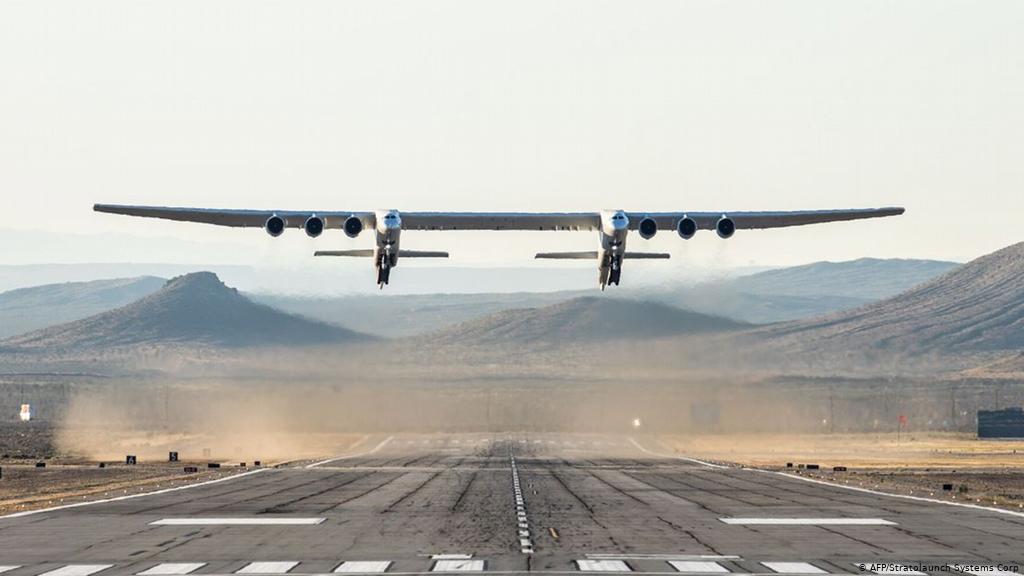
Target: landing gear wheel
[(383, 275), (614, 275)]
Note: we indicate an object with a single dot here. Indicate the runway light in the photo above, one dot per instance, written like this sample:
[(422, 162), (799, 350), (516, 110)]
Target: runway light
[(636, 422)]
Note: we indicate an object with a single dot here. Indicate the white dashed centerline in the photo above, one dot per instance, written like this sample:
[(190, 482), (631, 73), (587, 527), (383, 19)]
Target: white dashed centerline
[(525, 542)]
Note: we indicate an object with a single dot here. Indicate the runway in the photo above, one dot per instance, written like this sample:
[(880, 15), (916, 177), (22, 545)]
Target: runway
[(508, 504)]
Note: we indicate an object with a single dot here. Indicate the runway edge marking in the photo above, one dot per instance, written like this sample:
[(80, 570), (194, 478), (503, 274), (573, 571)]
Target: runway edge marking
[(835, 485), (687, 459), (132, 496), (366, 453)]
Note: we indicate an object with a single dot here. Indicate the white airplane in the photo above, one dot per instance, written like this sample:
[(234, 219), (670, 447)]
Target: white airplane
[(612, 227)]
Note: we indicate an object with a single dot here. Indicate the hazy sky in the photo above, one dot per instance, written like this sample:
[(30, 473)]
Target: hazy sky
[(520, 105)]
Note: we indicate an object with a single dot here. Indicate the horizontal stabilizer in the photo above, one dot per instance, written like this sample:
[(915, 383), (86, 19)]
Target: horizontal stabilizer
[(354, 253), (568, 255), (646, 256), (369, 253), (422, 254)]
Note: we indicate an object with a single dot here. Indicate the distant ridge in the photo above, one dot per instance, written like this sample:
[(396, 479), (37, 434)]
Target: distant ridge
[(586, 319), (193, 310), (26, 309), (977, 307)]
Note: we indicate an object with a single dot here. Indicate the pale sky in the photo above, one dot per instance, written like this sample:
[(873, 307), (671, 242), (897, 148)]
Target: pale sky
[(519, 105)]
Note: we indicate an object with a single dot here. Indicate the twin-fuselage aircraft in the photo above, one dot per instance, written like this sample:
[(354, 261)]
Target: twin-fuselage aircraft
[(612, 226)]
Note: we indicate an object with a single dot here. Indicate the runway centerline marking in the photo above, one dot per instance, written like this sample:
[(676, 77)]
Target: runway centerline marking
[(172, 569), (698, 566), (793, 568), (267, 568), (78, 570), (237, 522), (363, 567), (809, 521), (603, 566), (374, 450)]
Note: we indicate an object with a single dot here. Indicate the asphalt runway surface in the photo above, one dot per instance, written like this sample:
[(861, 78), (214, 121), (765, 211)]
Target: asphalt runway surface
[(509, 503)]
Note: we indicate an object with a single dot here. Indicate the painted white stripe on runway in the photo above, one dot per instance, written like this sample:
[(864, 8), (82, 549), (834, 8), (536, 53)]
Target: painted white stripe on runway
[(698, 567), (458, 566), (603, 566), (8, 568), (267, 568), (347, 456), (364, 567), (132, 496), (172, 568), (793, 568), (684, 458), (451, 556), (237, 522), (881, 568), (810, 521), (78, 570), (982, 570)]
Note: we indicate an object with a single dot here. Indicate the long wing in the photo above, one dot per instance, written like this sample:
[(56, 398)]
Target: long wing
[(501, 220), (229, 217), (755, 220)]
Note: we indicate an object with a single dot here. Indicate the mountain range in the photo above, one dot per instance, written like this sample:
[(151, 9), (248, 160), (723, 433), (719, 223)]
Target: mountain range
[(194, 310)]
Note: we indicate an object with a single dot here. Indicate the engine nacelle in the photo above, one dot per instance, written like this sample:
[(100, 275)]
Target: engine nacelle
[(648, 228), (686, 228), (314, 226), (353, 226), (275, 225), (725, 227)]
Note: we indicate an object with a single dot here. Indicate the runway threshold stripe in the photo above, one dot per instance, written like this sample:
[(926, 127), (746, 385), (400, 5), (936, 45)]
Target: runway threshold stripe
[(793, 568), (809, 521), (603, 566), (237, 522), (8, 568), (363, 567), (172, 568), (78, 570), (698, 567), (458, 566), (267, 568)]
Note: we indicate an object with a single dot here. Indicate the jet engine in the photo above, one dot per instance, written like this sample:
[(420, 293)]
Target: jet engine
[(648, 228), (353, 226), (314, 226), (274, 226), (725, 227), (687, 227)]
